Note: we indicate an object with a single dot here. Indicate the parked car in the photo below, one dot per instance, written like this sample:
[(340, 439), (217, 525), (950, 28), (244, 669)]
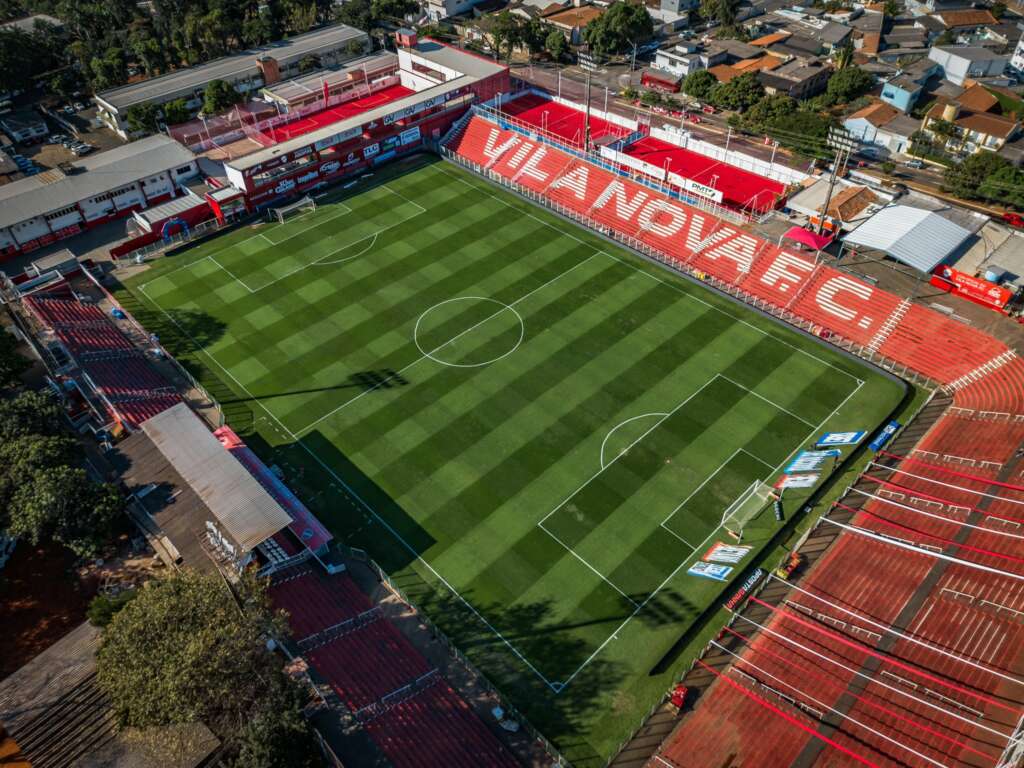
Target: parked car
[(707, 109), (79, 106), (1013, 219), (695, 119), (914, 164), (68, 109), (83, 149)]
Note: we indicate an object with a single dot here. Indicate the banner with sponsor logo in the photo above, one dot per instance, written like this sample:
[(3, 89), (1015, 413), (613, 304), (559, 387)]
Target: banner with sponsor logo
[(745, 589), (284, 186), (884, 436), (389, 143), (711, 571), (371, 150), (811, 461), (695, 187), (721, 552), (972, 288), (410, 136), (338, 138), (796, 481), (330, 167), (839, 438)]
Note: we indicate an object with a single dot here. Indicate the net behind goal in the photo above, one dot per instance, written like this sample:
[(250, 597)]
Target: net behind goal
[(285, 212), (751, 503)]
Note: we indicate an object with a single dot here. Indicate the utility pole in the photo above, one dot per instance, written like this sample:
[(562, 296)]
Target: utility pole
[(831, 186), (586, 135), (728, 136)]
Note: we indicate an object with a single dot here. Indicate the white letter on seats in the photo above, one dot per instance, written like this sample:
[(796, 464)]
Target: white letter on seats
[(491, 151), (625, 208), (778, 273), (829, 289), (655, 208), (575, 180)]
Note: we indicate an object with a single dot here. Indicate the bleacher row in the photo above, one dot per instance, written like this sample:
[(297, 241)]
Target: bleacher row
[(131, 389), (415, 718), (882, 654), (839, 305)]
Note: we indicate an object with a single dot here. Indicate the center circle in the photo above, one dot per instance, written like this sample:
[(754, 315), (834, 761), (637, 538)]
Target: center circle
[(442, 329)]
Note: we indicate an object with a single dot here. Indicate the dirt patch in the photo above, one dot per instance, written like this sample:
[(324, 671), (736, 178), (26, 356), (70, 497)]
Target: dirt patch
[(42, 598)]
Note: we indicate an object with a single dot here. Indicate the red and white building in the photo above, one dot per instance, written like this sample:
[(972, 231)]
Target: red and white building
[(38, 210), (414, 96)]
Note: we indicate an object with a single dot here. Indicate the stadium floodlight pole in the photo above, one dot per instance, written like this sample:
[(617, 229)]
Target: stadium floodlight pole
[(728, 137), (828, 195), (774, 148), (586, 131), (559, 83)]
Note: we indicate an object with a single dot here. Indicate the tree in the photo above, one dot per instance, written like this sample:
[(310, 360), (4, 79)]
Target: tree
[(103, 608), (556, 45), (355, 47), (393, 10), (29, 413), (503, 32), (176, 112), (534, 36), (308, 64), (769, 111), (843, 57), (64, 505), (965, 179), (12, 362), (355, 13), (891, 8), (142, 118), (109, 69), (622, 26), (722, 11), (189, 649), (998, 9), (278, 736), (847, 84), (738, 94), (699, 84), (219, 95)]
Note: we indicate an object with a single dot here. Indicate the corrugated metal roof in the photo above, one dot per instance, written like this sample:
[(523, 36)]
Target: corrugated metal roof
[(244, 508), (919, 238), (103, 172)]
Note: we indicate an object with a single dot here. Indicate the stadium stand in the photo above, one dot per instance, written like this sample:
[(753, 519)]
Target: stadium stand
[(414, 717), (560, 120), (901, 644), (130, 388)]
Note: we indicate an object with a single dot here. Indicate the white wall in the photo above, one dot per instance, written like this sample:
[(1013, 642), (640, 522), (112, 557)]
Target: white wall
[(684, 139), (66, 220), (25, 231)]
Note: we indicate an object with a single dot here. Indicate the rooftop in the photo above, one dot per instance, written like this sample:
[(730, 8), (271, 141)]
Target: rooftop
[(970, 52), (966, 18), (472, 68), (295, 88), (243, 507), (916, 237), (877, 114), (28, 24), (229, 67), (575, 17), (95, 174)]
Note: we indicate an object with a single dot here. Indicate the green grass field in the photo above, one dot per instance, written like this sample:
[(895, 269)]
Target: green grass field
[(535, 432)]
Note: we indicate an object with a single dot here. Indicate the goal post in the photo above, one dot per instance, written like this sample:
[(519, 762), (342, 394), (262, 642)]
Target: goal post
[(282, 213), (745, 509)]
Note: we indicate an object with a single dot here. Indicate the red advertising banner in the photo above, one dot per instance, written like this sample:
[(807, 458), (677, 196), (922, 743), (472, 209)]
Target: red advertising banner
[(971, 288)]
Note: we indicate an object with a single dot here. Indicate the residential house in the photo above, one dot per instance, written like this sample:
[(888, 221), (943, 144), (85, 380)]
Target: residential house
[(572, 21), (1017, 61), (966, 20), (726, 72), (24, 127), (882, 125), (936, 6), (798, 46), (660, 80), (904, 90), (686, 58), (973, 122), (932, 26), (959, 63), (796, 79), (667, 20), (29, 23)]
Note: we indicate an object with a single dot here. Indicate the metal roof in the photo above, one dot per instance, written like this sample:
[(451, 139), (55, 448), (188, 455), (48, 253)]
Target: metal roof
[(916, 237), (231, 68), (248, 514), (103, 172)]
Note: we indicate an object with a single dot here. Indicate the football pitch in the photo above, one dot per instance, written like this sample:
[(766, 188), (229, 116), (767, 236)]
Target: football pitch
[(534, 431)]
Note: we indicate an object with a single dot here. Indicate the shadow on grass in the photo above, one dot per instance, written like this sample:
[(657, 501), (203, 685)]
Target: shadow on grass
[(381, 379)]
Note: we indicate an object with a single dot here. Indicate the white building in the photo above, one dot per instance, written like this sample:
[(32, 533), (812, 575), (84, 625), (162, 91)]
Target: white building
[(1017, 60), (49, 206), (960, 63)]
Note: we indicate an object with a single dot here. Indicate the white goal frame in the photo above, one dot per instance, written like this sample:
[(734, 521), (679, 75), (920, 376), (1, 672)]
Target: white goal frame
[(750, 504), (282, 212)]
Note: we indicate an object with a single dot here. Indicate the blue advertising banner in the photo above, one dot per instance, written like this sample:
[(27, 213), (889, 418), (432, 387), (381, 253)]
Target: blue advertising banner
[(884, 436), (811, 461), (839, 438), (710, 571)]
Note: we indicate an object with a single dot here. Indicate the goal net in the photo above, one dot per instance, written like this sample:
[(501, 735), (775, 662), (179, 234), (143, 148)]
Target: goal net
[(285, 212), (750, 504)]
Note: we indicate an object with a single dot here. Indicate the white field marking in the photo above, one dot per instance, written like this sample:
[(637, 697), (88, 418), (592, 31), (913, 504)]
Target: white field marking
[(888, 629), (373, 241), (423, 357), (439, 361), (555, 687), (770, 402), (656, 278), (274, 227), (622, 453), (698, 548), (622, 424), (707, 480), (600, 575)]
